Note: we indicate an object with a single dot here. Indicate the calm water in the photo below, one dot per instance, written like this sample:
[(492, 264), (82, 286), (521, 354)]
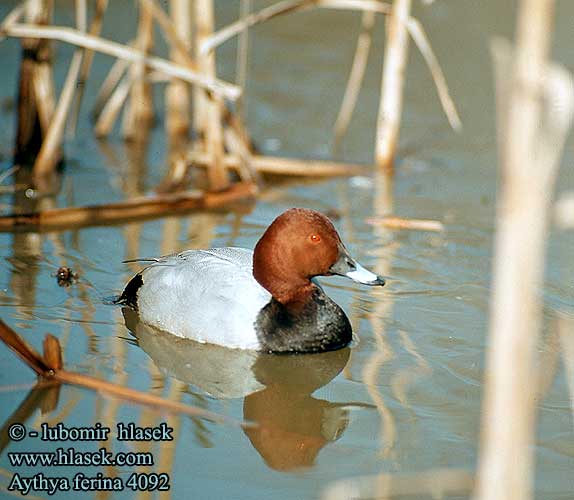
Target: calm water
[(405, 400)]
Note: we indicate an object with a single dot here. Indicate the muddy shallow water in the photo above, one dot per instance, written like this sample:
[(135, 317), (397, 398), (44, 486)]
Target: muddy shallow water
[(404, 400)]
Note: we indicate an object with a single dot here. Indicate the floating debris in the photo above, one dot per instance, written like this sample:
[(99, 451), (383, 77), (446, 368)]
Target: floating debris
[(65, 276)]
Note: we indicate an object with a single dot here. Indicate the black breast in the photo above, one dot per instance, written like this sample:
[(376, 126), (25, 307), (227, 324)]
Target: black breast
[(320, 326)]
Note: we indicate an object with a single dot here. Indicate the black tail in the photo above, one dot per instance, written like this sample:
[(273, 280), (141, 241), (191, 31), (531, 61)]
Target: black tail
[(129, 296)]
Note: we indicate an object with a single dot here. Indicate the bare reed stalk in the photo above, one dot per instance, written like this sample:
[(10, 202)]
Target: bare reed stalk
[(356, 76), (95, 29), (142, 207), (265, 14), (391, 104), (113, 78), (367, 6), (178, 92), (51, 151), (107, 115), (211, 123), (34, 112), (531, 137), (198, 95), (13, 17), (139, 111), (284, 166), (394, 222)]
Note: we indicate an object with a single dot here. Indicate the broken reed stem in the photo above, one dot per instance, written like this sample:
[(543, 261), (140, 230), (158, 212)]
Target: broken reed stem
[(531, 137), (75, 37), (273, 165), (356, 76), (55, 372), (128, 210), (394, 222), (35, 91), (210, 122), (391, 102), (177, 94)]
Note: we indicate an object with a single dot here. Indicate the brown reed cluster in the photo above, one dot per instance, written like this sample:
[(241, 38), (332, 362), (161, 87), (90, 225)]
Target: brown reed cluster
[(203, 114)]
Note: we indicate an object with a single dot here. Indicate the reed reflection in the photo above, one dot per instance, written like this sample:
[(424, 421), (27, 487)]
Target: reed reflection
[(294, 426)]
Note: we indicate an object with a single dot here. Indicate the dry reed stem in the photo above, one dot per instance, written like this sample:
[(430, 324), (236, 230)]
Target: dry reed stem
[(23, 350), (109, 113), (95, 30), (44, 95), (34, 109), (531, 138), (282, 8), (50, 152), (13, 17), (176, 177), (394, 222), (53, 352), (177, 96), (287, 7), (212, 119), (435, 483), (75, 37), (178, 44), (114, 76), (239, 145), (373, 6), (234, 122), (421, 40), (391, 101), (52, 373), (237, 148), (273, 165), (81, 15), (215, 39), (356, 76), (139, 111), (128, 210), (417, 33)]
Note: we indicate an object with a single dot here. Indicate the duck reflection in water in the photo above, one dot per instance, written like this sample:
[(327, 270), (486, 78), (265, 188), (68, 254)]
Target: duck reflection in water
[(277, 390)]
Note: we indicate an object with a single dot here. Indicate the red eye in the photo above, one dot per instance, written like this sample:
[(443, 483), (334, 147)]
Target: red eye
[(315, 238)]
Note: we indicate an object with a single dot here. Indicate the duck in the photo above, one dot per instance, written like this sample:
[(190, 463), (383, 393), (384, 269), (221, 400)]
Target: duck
[(266, 299)]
